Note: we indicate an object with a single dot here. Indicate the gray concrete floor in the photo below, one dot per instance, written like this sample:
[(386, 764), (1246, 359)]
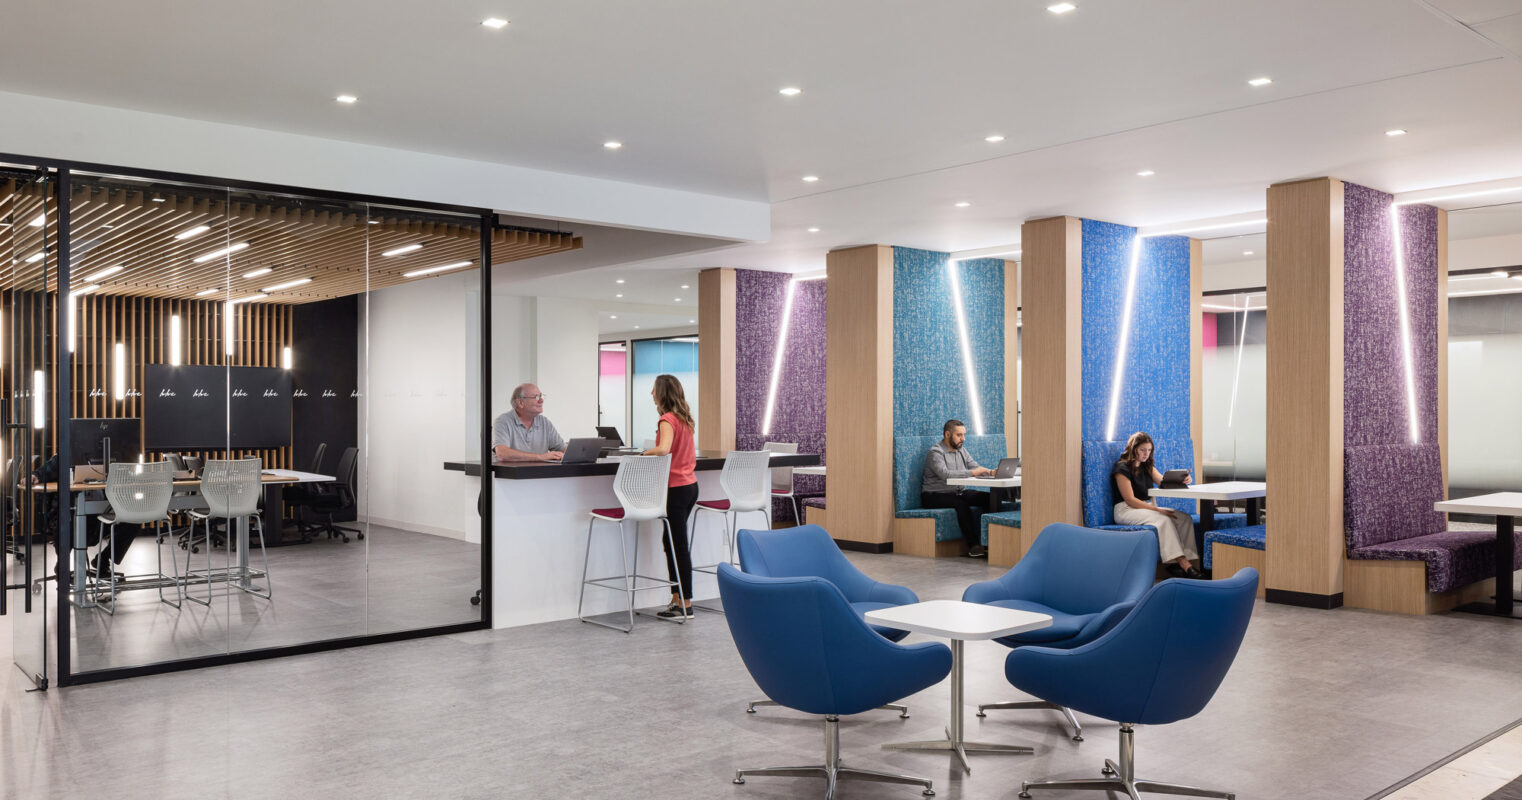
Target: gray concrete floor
[(1319, 704)]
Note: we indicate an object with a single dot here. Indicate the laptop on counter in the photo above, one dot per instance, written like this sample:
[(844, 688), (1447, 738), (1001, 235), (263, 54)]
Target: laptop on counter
[(582, 451)]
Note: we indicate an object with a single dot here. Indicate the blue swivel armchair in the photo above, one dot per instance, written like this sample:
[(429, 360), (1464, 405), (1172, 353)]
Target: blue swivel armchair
[(808, 551), (1161, 664), (1086, 579), (809, 650)]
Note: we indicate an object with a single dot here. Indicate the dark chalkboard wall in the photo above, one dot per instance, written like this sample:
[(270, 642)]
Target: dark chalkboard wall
[(325, 339), (204, 408)]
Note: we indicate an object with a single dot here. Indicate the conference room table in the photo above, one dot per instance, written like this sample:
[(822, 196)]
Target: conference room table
[(959, 621), (1505, 507), (1208, 494), (89, 499)]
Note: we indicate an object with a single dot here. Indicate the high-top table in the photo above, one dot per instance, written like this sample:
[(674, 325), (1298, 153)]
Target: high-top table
[(1208, 494), (959, 621), (1505, 507)]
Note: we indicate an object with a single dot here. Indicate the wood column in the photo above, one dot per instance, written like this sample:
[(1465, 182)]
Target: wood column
[(1011, 358), (859, 393), (1051, 274), (716, 359), (1305, 394), (1197, 356)]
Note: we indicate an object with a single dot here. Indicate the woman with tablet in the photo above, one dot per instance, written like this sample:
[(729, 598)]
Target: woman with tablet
[(1135, 475)]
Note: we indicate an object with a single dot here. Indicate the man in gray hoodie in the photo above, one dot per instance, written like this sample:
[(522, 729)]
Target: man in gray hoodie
[(948, 459)]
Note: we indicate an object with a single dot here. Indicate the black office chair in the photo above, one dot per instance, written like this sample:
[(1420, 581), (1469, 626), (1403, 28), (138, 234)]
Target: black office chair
[(331, 498), (298, 495)]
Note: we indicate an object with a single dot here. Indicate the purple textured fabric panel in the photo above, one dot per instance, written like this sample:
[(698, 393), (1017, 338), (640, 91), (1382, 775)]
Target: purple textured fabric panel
[(1389, 491), (1454, 558), (759, 298), (1374, 379)]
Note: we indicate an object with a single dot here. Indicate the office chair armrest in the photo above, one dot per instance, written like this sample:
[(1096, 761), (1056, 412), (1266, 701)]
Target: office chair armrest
[(891, 593), (986, 592), (1104, 621)]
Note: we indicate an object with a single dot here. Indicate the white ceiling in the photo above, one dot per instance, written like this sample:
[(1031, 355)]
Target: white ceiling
[(897, 97)]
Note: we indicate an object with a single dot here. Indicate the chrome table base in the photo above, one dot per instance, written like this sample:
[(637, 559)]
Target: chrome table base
[(954, 741)]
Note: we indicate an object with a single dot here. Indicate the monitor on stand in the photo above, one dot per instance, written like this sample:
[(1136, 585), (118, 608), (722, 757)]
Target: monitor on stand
[(104, 440)]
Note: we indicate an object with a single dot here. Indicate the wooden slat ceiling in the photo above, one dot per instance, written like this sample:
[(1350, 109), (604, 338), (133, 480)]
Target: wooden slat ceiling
[(335, 245)]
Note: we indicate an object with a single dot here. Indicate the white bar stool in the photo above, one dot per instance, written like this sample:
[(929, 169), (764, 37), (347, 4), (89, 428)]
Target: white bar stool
[(640, 486), (747, 483), (231, 489), (138, 494)]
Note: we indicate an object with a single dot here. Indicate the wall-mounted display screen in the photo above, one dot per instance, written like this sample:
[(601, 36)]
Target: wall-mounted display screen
[(207, 408)]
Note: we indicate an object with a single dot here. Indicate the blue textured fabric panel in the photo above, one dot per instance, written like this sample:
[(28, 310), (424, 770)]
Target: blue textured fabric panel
[(1252, 537), (1154, 392), (929, 383)]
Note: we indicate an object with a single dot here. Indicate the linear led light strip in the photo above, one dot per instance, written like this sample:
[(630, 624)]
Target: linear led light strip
[(967, 370), (771, 393), (1405, 323), (1125, 337), (1460, 196)]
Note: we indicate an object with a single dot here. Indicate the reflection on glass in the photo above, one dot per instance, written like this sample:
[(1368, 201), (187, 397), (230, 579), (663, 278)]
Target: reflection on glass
[(1484, 381), (613, 387), (676, 356), (1234, 388)]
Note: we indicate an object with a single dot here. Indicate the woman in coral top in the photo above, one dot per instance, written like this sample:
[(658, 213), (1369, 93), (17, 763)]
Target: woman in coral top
[(674, 436)]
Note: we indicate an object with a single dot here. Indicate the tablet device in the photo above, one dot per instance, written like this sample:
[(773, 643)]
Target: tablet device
[(1173, 479)]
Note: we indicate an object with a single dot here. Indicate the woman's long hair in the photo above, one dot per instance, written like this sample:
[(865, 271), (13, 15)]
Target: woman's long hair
[(670, 399), (1129, 456)]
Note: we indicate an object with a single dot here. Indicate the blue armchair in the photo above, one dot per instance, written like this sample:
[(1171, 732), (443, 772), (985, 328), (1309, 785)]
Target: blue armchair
[(808, 551), (1086, 579), (808, 649), (1161, 664)]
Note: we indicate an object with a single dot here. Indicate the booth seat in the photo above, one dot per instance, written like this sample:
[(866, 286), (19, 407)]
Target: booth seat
[(1388, 499), (1002, 537), (814, 511), (930, 531), (1250, 537), (1100, 497)]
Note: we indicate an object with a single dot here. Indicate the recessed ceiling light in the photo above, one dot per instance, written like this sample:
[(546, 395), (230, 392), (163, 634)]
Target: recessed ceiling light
[(692, 322), (1146, 173), (611, 145), (287, 285), (403, 250), (1246, 252), (205, 292), (103, 274), (1260, 81), (1061, 8), (620, 294), (219, 253), (34, 258), (40, 220), (196, 231), (347, 99), (685, 286), (160, 200), (260, 271), (108, 227), (963, 204), (790, 91), (810, 178), (440, 268), (676, 299), (495, 23), (1396, 132), (83, 290), (636, 327), (254, 296), (620, 280), (993, 139), (813, 230), (374, 222)]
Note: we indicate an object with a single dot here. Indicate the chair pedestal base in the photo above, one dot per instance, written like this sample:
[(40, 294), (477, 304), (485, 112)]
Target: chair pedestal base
[(832, 771), (1123, 777), (903, 710), (1067, 712)]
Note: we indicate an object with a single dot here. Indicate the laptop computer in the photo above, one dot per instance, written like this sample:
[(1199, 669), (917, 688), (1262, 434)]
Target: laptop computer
[(610, 435), (1173, 479), (1008, 468), (582, 451)]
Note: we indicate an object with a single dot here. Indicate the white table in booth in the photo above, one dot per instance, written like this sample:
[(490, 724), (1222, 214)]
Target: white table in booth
[(1208, 494), (959, 621), (993, 485), (1505, 507)]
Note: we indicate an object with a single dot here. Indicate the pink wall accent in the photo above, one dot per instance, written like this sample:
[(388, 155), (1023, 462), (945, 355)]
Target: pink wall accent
[(1209, 329), (611, 362)]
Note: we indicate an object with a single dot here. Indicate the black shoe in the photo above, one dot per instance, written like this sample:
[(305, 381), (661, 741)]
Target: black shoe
[(1176, 571), (1194, 572), (673, 611), (977, 551)]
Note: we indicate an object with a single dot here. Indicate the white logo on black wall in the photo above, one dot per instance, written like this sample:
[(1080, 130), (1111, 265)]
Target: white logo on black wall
[(167, 393), (329, 393), (200, 393), (271, 393), (299, 393)]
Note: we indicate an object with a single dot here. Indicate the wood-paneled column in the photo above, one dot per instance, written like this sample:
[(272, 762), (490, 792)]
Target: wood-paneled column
[(1305, 393), (1051, 291), (716, 359), (859, 393)]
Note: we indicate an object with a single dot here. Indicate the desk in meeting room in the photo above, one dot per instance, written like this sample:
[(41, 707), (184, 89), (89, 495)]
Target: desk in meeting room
[(541, 512)]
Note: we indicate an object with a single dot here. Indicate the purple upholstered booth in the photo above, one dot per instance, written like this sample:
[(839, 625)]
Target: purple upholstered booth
[(1388, 497)]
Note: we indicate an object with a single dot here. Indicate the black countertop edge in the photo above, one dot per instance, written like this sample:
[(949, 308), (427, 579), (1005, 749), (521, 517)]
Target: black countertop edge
[(533, 470)]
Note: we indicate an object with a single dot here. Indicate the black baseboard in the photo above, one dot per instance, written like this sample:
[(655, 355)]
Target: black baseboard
[(865, 547), (1303, 599)]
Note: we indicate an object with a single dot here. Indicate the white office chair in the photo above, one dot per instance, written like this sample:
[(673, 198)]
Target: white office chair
[(782, 477), (231, 490), (640, 486), (138, 494), (746, 480)]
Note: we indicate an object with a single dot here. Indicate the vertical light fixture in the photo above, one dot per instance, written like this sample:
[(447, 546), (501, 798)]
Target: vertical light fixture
[(285, 357), (119, 376), (1405, 324), (176, 357), (771, 393), (227, 313), (1125, 337), (39, 399), (967, 372)]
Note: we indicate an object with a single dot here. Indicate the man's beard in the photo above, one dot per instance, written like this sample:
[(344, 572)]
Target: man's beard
[(954, 444)]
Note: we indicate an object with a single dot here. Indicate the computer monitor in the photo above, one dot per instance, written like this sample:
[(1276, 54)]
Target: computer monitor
[(104, 440)]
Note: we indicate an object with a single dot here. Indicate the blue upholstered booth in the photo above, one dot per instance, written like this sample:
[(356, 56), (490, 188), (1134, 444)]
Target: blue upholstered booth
[(809, 650), (1086, 579), (1100, 497), (808, 551), (909, 469), (1251, 537), (1161, 664)]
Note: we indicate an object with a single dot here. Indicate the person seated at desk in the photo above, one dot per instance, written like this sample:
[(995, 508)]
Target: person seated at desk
[(1135, 475), (947, 459), (103, 567), (524, 434)]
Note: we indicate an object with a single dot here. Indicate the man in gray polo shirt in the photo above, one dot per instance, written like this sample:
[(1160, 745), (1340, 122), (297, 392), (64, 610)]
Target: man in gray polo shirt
[(524, 434), (948, 459)]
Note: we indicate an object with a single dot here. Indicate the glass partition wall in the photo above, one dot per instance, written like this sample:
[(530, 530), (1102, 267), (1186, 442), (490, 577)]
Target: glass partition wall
[(325, 354)]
